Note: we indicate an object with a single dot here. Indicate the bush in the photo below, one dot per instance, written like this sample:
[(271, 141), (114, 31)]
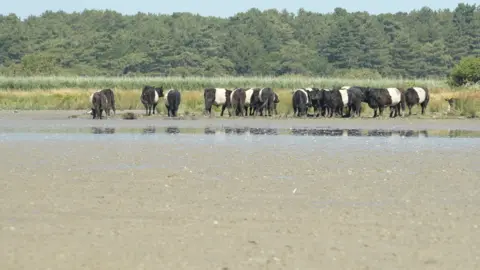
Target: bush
[(467, 71)]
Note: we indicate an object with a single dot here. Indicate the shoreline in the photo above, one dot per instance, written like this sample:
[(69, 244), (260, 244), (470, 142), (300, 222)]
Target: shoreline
[(63, 119)]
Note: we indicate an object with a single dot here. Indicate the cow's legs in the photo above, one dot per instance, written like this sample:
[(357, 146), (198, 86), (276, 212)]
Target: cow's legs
[(223, 109)]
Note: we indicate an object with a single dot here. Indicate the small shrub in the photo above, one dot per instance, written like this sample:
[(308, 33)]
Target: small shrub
[(467, 71)]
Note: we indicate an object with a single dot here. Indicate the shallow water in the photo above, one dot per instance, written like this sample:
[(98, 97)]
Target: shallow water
[(82, 133)]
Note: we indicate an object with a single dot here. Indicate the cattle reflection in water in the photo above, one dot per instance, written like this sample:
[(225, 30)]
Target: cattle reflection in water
[(209, 131), (99, 130), (316, 132), (354, 132), (263, 131), (149, 130), (413, 133), (239, 131), (172, 130), (380, 133)]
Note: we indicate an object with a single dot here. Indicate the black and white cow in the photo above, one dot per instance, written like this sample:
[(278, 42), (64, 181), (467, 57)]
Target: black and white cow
[(149, 98), (316, 99), (217, 97), (334, 100), (110, 99), (323, 104), (173, 99), (417, 95), (379, 98), (356, 95), (263, 99), (99, 104), (301, 100), (347, 97), (237, 101), (249, 109)]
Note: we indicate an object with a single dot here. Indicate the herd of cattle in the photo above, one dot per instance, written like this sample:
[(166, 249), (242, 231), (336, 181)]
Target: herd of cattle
[(253, 101)]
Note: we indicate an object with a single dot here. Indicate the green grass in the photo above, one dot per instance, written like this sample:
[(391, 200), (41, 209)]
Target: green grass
[(195, 83)]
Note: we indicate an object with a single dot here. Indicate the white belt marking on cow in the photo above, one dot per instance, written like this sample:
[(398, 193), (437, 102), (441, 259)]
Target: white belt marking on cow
[(248, 96), (395, 95), (155, 99), (305, 92), (345, 87), (165, 96), (344, 94), (422, 94), (260, 95), (220, 96), (231, 96)]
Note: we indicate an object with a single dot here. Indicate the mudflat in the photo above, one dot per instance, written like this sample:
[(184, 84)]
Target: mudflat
[(196, 201), (62, 119)]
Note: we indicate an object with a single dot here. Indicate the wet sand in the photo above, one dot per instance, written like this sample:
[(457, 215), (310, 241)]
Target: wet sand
[(60, 119), (187, 201)]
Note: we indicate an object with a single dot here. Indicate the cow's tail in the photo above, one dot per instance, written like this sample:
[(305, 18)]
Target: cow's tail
[(402, 101), (177, 101), (113, 104)]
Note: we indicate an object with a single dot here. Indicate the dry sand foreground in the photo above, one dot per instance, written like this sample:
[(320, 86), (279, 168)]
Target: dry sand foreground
[(183, 204)]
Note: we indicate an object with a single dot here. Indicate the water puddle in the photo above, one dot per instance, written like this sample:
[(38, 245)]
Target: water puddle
[(247, 131), (239, 131)]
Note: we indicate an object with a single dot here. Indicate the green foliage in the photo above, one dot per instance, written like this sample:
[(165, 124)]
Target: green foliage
[(467, 71), (419, 44), (38, 64)]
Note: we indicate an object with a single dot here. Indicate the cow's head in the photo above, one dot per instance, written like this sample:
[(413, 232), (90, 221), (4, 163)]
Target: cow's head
[(209, 97), (315, 94), (159, 91)]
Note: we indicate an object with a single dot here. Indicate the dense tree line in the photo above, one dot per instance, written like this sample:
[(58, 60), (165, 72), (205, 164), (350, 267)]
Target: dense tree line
[(421, 43)]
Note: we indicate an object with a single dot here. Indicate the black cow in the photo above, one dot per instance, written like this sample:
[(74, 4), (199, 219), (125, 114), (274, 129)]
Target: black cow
[(356, 95), (379, 98), (348, 97), (173, 99), (301, 100), (110, 99), (263, 99), (323, 96), (334, 100), (217, 97), (417, 95), (99, 104), (237, 101), (317, 100), (149, 98)]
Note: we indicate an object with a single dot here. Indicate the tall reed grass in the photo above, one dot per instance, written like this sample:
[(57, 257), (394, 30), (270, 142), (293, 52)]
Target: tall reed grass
[(195, 83)]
